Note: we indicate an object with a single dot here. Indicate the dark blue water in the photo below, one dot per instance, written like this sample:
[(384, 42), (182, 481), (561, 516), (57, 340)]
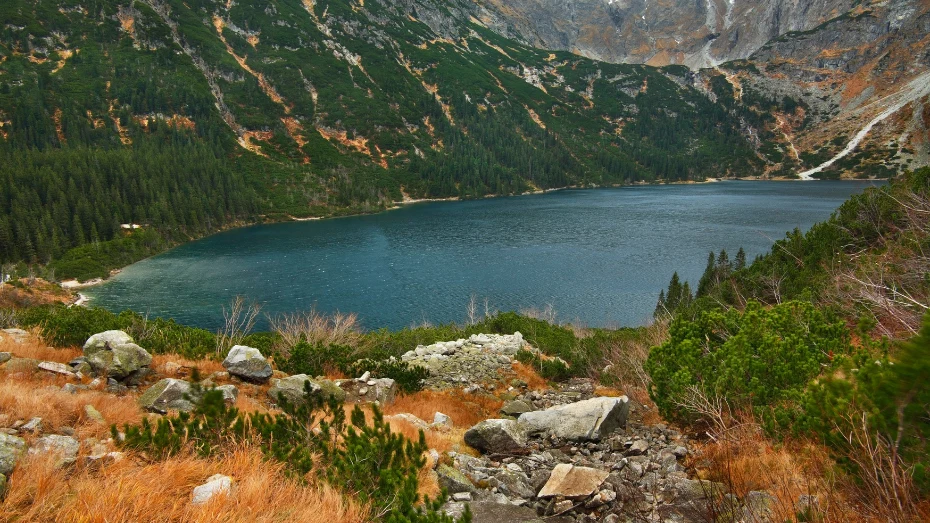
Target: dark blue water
[(598, 257)]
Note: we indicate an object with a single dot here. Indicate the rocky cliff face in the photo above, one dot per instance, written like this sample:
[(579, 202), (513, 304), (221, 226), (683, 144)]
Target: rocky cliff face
[(696, 33), (868, 66)]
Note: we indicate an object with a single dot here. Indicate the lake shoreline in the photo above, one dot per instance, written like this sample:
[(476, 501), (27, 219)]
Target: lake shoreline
[(83, 300)]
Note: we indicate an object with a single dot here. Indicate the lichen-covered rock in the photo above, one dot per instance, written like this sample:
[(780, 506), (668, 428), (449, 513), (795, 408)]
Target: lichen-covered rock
[(65, 448), (247, 363), (168, 393), (106, 339), (5, 357), (2, 486), (453, 480), (516, 407), (114, 354), (94, 415), (585, 420), (292, 388), (21, 365), (494, 436), (11, 449)]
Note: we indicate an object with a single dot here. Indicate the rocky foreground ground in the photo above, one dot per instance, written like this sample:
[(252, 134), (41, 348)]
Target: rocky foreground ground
[(562, 453)]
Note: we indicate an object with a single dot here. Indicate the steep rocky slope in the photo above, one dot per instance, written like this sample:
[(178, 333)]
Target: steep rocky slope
[(697, 33), (861, 84)]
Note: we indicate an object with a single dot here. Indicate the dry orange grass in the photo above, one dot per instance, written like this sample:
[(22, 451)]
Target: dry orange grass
[(440, 440), (609, 392), (205, 367), (35, 348), (464, 409), (747, 461), (129, 491), (528, 374), (25, 399)]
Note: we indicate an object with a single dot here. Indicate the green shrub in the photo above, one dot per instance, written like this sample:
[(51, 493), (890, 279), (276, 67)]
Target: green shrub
[(756, 358), (71, 326), (409, 378), (314, 359), (886, 396), (68, 327), (365, 459), (550, 369)]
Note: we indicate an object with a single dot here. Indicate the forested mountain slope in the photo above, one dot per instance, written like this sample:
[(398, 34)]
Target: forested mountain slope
[(186, 116)]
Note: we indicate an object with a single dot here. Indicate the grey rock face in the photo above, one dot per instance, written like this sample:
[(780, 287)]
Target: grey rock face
[(64, 447), (5, 357), (248, 364), (590, 419), (496, 436), (11, 449), (168, 393), (114, 354), (697, 34)]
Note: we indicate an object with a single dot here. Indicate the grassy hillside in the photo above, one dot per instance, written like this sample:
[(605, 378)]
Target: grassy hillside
[(185, 117)]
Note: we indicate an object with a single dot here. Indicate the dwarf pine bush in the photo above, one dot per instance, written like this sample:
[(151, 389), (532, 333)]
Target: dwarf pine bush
[(363, 458), (755, 358)]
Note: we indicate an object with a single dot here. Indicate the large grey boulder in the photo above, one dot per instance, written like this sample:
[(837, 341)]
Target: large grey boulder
[(569, 481), (292, 389), (168, 393), (11, 449), (247, 363), (590, 419), (114, 354), (65, 448), (496, 436), (102, 340)]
